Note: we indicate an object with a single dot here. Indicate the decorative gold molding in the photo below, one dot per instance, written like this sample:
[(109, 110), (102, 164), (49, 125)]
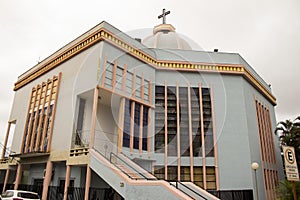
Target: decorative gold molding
[(103, 34)]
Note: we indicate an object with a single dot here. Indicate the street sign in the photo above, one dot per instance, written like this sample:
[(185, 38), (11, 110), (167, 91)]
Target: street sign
[(290, 163)]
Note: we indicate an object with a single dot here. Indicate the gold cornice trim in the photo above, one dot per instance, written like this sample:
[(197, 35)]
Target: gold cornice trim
[(103, 34), (60, 58), (260, 87)]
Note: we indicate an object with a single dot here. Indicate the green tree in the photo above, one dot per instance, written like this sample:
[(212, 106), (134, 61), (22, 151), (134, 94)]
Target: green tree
[(288, 132), (285, 190)]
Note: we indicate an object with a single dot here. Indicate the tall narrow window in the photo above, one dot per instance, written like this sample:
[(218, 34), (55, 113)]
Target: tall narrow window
[(196, 122), (159, 119), (126, 129), (80, 118), (207, 122), (145, 128), (136, 128), (184, 122), (172, 121)]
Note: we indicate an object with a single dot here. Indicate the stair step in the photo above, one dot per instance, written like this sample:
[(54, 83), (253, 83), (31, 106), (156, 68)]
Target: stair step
[(128, 171)]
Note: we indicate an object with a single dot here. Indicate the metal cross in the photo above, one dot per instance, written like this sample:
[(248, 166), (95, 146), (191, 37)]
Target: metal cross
[(163, 15)]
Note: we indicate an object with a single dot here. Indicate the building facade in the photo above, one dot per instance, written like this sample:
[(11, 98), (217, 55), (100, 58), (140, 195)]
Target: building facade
[(110, 117)]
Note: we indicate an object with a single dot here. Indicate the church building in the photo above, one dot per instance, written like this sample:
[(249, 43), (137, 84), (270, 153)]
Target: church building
[(109, 116)]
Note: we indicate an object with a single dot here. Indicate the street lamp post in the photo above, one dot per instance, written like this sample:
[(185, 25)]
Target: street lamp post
[(255, 166)]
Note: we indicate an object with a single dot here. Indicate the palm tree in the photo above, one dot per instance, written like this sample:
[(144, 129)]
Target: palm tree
[(289, 135)]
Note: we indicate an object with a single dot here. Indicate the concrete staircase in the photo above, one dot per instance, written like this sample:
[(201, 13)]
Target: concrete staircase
[(133, 182)]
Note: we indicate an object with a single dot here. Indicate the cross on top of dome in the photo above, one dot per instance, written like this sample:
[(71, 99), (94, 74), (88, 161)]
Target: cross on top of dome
[(163, 15)]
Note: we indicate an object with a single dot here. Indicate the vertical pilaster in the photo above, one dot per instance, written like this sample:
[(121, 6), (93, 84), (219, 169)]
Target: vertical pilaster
[(202, 138), (166, 131), (124, 79), (214, 137), (18, 176), (94, 116), (150, 91), (36, 120), (134, 83), (47, 114), (149, 132), (121, 124), (104, 71), (131, 126), (143, 87), (32, 119), (114, 74), (47, 179), (38, 137), (6, 179), (178, 133), (141, 130), (87, 183), (190, 134), (53, 112), (5, 140), (67, 181)]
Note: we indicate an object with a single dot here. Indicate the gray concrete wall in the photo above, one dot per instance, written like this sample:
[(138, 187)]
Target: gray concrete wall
[(232, 135), (78, 75), (250, 94)]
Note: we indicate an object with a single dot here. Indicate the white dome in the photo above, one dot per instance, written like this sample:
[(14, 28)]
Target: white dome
[(165, 37)]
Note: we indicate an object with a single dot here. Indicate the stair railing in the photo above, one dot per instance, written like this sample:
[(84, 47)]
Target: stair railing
[(114, 156), (177, 183)]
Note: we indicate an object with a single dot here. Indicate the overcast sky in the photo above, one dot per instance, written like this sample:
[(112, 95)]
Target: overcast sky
[(266, 33)]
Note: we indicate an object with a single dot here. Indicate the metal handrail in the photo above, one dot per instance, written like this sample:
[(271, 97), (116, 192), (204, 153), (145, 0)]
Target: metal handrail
[(143, 177), (191, 190), (110, 160), (178, 182), (137, 172), (176, 186), (136, 164)]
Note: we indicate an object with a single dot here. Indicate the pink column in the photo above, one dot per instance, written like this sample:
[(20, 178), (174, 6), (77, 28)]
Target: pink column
[(149, 132), (6, 179), (131, 127), (47, 179), (121, 124), (178, 132), (141, 130), (18, 176), (190, 134), (5, 140), (166, 131), (104, 71), (202, 138), (215, 137), (67, 182), (94, 116), (87, 183)]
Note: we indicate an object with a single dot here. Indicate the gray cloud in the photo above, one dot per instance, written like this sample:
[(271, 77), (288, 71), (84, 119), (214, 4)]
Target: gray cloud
[(266, 33)]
